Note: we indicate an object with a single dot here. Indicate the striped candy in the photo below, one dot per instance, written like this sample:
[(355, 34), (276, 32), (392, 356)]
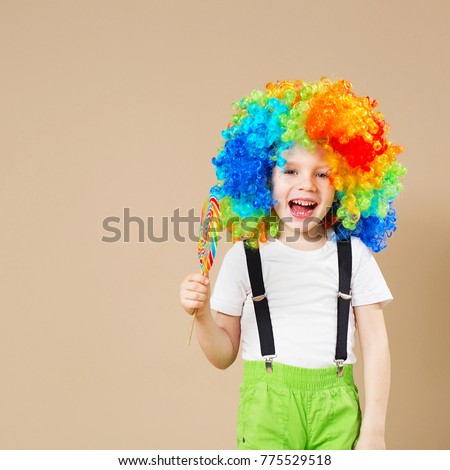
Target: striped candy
[(208, 236)]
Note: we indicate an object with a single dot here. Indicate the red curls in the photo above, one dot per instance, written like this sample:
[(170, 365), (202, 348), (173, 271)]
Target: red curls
[(348, 124)]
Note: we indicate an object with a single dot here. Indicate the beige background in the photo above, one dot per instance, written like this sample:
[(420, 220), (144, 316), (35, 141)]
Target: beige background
[(107, 105)]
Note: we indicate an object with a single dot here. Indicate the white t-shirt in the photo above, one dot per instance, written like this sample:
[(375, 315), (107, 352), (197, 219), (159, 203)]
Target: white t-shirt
[(301, 288)]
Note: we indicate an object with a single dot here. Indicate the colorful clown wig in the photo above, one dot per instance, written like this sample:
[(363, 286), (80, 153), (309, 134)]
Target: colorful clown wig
[(364, 168)]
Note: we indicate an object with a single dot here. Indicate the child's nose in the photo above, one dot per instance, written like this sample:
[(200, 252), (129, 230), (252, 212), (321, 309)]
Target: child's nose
[(306, 183)]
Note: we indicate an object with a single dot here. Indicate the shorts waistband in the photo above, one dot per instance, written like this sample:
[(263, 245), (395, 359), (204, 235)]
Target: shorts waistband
[(296, 377)]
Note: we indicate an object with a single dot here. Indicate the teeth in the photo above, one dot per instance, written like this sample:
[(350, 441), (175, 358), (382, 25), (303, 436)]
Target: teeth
[(304, 204)]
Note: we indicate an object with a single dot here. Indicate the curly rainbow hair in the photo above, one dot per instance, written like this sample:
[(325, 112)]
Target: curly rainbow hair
[(364, 168)]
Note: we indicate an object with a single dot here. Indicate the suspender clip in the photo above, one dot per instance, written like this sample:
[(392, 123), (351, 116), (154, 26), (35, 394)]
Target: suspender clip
[(269, 360), (340, 366), (258, 298), (344, 296)]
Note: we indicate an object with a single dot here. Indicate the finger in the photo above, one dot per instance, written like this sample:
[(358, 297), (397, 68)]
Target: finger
[(194, 284), (190, 295), (199, 278), (192, 304)]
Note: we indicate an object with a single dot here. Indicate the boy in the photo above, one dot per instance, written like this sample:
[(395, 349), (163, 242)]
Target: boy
[(310, 167)]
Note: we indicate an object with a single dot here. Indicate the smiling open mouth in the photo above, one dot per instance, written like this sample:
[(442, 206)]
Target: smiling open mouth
[(302, 208)]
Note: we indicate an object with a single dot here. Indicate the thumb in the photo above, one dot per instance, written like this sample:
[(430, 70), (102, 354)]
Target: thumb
[(206, 274)]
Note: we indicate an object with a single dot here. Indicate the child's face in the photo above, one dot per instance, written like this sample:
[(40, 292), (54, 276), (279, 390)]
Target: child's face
[(302, 189)]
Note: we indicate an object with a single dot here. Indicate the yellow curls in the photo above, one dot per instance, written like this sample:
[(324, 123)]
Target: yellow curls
[(286, 91)]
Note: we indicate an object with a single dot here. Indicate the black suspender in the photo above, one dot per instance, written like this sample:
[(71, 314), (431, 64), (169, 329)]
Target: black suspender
[(344, 248), (261, 306), (262, 312)]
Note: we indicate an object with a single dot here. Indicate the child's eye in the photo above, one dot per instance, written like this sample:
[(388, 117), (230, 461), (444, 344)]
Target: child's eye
[(289, 172), (322, 175)]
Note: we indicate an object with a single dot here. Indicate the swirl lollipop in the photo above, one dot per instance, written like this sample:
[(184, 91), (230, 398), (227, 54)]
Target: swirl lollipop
[(207, 241)]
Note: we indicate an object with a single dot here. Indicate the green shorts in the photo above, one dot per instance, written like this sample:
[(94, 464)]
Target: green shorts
[(297, 409)]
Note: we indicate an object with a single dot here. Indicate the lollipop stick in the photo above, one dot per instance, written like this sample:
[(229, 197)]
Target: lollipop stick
[(192, 326)]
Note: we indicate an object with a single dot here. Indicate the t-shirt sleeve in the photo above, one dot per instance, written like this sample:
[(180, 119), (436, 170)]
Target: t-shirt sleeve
[(368, 284), (232, 284)]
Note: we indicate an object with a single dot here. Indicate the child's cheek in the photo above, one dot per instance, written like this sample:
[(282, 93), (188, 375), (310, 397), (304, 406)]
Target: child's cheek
[(276, 186)]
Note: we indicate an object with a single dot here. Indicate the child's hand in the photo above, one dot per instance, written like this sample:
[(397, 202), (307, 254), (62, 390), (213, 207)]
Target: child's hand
[(195, 293), (370, 441)]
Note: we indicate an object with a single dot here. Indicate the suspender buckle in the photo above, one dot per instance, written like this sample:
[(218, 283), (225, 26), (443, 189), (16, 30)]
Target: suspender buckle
[(340, 366), (269, 360), (258, 298), (344, 296)]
